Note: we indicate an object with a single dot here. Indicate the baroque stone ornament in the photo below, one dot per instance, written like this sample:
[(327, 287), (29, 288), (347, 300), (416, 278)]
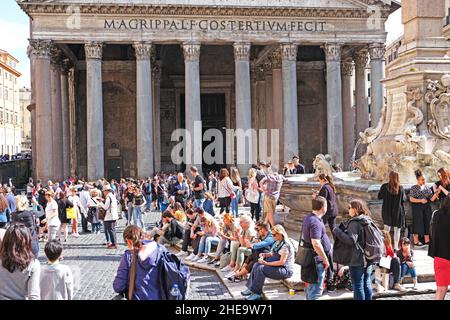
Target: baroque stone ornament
[(56, 56), (289, 51), (93, 50), (361, 58), (275, 59), (191, 51), (142, 50), (333, 51), (438, 95), (241, 51), (322, 165), (377, 51), (39, 49)]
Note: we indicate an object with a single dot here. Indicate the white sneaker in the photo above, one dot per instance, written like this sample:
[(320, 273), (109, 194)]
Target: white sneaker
[(227, 269), (229, 275), (191, 256), (182, 253), (203, 260), (196, 258)]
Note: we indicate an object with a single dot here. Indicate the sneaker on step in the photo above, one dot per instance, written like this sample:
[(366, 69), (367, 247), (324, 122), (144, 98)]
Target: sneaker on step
[(399, 287), (203, 260), (191, 256), (217, 264), (227, 269), (415, 287), (229, 275), (195, 259), (246, 292), (254, 296), (181, 253)]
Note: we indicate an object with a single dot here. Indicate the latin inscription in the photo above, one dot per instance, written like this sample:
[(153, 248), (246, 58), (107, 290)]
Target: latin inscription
[(214, 25), (398, 117)]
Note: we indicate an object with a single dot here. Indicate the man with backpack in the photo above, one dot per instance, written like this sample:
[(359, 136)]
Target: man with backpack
[(366, 247)]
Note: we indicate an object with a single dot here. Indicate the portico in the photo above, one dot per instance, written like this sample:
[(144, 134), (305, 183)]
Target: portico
[(277, 65)]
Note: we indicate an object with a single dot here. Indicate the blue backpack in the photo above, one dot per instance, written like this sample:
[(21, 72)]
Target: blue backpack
[(174, 276)]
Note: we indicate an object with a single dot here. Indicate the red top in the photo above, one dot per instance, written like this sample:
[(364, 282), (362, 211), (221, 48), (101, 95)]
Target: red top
[(389, 251)]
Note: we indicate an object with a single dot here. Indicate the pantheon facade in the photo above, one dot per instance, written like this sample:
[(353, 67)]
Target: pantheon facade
[(111, 80)]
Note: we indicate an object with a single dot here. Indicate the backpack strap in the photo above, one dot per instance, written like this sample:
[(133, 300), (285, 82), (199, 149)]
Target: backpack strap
[(132, 278)]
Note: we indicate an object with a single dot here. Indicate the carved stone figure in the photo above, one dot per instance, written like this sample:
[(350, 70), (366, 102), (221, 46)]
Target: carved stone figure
[(322, 165)]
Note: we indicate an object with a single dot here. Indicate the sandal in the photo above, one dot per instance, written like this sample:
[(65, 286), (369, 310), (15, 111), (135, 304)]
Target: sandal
[(418, 244)]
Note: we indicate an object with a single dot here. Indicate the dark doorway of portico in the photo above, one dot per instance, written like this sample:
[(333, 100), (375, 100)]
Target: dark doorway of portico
[(213, 117)]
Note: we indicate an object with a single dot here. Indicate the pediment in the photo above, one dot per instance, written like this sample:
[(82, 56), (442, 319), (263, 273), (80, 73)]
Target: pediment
[(310, 4)]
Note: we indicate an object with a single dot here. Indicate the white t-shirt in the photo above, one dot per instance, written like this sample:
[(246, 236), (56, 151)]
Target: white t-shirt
[(51, 214)]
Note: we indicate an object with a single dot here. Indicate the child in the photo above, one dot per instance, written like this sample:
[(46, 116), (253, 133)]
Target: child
[(56, 279), (405, 254), (208, 205)]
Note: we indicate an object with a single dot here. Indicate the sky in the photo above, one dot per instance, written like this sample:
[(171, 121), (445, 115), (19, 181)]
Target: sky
[(14, 26)]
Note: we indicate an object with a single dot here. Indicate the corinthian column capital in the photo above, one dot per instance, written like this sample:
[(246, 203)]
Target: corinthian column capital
[(289, 51), (93, 50), (333, 51), (39, 48), (191, 51), (143, 50), (377, 51), (241, 51), (361, 58), (347, 67)]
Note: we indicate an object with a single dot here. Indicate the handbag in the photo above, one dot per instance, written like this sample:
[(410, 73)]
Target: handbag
[(252, 195), (385, 262), (231, 192), (71, 213), (306, 259)]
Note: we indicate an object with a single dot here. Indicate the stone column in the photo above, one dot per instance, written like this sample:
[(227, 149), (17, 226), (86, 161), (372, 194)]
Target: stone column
[(254, 107), (156, 77), (57, 127), (362, 109), (191, 52), (32, 107), (277, 104), (377, 52), (243, 105), (144, 110), (94, 110), (268, 88), (348, 113), (65, 117), (290, 107), (334, 103), (40, 50)]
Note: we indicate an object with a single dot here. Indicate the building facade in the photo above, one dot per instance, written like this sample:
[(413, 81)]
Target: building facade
[(118, 79), (10, 114)]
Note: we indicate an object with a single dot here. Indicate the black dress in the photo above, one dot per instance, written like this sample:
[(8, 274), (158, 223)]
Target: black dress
[(442, 196), (421, 212), (393, 211)]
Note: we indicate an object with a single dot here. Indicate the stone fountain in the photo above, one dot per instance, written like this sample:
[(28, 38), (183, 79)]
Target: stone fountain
[(414, 129)]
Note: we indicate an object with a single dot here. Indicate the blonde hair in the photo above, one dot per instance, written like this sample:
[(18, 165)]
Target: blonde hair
[(21, 203), (251, 173), (95, 193), (280, 230)]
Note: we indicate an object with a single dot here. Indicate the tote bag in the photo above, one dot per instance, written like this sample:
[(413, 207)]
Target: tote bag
[(71, 213)]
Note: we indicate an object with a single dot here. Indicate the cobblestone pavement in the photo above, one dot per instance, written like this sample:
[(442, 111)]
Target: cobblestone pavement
[(94, 266)]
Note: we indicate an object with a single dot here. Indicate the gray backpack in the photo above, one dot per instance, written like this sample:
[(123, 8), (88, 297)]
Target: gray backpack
[(374, 248)]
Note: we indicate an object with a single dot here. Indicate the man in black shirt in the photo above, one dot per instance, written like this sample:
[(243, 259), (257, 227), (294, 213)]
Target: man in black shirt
[(199, 188), (173, 231), (299, 168)]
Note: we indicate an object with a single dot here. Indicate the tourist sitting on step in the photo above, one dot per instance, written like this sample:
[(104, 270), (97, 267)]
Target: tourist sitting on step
[(278, 264), (238, 248), (406, 256), (261, 244), (191, 216), (228, 232), (209, 237)]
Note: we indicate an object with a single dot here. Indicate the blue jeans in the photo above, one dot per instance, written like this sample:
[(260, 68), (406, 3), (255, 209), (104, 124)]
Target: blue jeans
[(260, 272), (234, 204), (96, 227), (314, 290), (405, 270), (198, 203), (205, 243), (129, 212), (137, 217), (110, 231), (148, 198), (361, 282), (160, 200)]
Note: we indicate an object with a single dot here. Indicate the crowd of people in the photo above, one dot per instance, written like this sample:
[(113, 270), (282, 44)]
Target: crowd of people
[(204, 218)]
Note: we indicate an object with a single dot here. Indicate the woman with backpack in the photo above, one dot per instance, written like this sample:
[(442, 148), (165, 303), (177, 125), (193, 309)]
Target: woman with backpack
[(63, 204), (354, 237), (93, 207), (28, 218), (393, 211), (138, 276)]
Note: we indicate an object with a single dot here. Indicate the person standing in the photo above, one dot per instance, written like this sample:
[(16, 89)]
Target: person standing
[(4, 211), (393, 211), (439, 248), (253, 194), (11, 198), (314, 236), (84, 200), (354, 237), (110, 206), (51, 216), (63, 204), (198, 186), (443, 184), (225, 190), (236, 179), (75, 200), (181, 190), (138, 203), (328, 191), (27, 217), (421, 197), (147, 191), (19, 269), (299, 168), (271, 185), (129, 195)]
